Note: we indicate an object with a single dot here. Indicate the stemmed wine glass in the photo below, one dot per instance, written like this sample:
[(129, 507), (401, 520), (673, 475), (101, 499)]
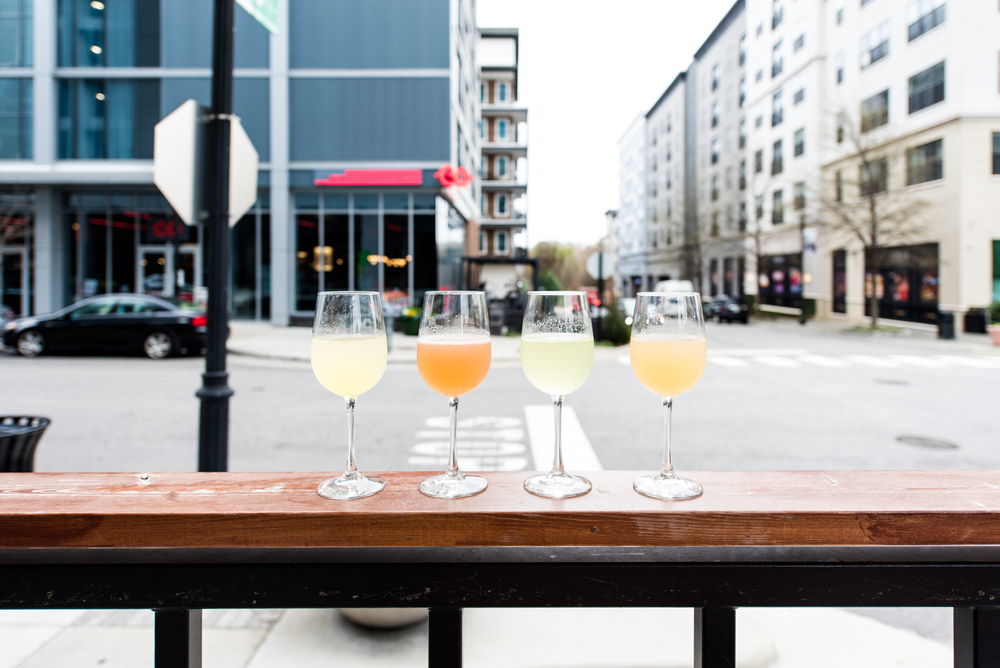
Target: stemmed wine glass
[(668, 352), (349, 355), (453, 356), (557, 356)]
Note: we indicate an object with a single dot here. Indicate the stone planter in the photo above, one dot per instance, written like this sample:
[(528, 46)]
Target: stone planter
[(994, 331)]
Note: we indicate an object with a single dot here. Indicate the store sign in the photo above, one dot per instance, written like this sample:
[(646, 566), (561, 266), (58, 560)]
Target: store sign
[(372, 177), (449, 176), (164, 230)]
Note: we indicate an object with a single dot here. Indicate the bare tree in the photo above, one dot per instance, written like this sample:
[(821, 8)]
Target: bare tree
[(872, 208)]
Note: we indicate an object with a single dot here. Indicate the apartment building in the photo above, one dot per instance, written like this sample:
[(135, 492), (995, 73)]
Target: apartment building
[(501, 232), (666, 178), (630, 221), (362, 114)]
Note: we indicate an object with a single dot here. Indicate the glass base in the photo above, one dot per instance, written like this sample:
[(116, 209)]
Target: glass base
[(445, 486), (668, 486), (346, 487), (557, 486)]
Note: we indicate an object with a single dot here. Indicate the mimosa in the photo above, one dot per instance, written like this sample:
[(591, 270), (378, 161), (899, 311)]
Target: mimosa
[(348, 365), (557, 363), (668, 366), (453, 365)]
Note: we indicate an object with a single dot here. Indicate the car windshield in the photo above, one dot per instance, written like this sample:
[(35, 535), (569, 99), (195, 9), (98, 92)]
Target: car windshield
[(183, 305)]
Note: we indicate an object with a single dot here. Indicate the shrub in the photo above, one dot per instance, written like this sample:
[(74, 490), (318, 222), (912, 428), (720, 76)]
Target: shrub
[(548, 281), (995, 313), (615, 329)]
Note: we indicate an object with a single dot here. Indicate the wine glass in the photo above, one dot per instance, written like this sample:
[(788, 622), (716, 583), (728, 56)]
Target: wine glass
[(668, 352), (453, 356), (348, 357), (557, 356)]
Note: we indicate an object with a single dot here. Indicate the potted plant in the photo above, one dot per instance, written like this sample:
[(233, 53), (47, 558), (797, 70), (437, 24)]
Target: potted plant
[(994, 328)]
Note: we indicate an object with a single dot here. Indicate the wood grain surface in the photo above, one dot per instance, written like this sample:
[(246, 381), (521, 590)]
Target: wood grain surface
[(282, 510)]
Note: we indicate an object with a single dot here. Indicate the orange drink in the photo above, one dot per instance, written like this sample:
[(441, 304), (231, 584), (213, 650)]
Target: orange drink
[(668, 366), (452, 366)]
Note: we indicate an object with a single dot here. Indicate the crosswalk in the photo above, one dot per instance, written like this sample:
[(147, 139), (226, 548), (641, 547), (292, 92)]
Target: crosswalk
[(795, 358)]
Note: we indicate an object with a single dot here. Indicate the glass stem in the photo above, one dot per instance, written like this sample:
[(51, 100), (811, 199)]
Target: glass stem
[(668, 410), (557, 460), (453, 471), (351, 472)]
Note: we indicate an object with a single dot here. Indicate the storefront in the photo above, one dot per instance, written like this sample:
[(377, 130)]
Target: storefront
[(904, 280), (16, 227), (780, 280)]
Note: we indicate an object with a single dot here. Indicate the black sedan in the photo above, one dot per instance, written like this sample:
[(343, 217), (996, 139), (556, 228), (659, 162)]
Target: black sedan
[(724, 308), (158, 326)]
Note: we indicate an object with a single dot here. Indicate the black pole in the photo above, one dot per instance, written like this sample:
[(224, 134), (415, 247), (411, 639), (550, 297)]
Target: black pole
[(213, 433), (802, 271), (600, 291)]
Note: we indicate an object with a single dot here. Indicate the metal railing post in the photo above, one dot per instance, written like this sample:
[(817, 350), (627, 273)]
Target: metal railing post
[(177, 639), (715, 638), (977, 637), (444, 645)]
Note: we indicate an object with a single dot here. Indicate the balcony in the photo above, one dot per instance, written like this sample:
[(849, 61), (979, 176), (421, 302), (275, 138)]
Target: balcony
[(516, 112), (493, 182), (515, 221), (516, 148)]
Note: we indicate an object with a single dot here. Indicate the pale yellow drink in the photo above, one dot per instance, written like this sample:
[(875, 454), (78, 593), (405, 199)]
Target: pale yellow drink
[(557, 363), (668, 366), (349, 365)]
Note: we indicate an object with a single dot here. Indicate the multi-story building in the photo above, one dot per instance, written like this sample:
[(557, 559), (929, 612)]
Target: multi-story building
[(359, 111), (631, 232), (717, 88), (502, 224), (666, 177)]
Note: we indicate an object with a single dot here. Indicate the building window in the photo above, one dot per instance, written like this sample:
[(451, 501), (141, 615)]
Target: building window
[(838, 183), (760, 75), (670, 180), (875, 45), (502, 129), (715, 187), (777, 60), (15, 34), (759, 121), (840, 68), (875, 111), (759, 206), (743, 91), (95, 34), (840, 16), (927, 88), (758, 162), (996, 152), (16, 103), (502, 166), (743, 48), (778, 211), (924, 163), (482, 242), (776, 162), (800, 142), (743, 132), (502, 91), (743, 216), (874, 177), (482, 204), (800, 95), (482, 92), (715, 150), (715, 76), (743, 175), (715, 113), (777, 109), (841, 126), (501, 204), (715, 225), (107, 118), (670, 152), (669, 123), (482, 129), (501, 243), (777, 14), (924, 15), (800, 41), (800, 196)]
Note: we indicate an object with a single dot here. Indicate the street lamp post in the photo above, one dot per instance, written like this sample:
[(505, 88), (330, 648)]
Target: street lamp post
[(802, 270), (213, 433)]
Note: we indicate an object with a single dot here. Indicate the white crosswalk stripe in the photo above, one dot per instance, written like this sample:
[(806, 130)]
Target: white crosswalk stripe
[(871, 360), (974, 362), (822, 360), (793, 358), (775, 360), (925, 362), (578, 453), (484, 444), (723, 360)]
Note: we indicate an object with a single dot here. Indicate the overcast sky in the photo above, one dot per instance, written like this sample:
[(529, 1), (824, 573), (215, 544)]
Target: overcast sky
[(587, 70)]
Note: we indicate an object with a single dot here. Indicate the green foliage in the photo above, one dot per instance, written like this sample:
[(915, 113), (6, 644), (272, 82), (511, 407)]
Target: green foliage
[(995, 313), (549, 281), (566, 262), (615, 329)]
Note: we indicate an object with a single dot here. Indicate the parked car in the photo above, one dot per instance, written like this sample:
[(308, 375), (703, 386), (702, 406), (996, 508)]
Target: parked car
[(724, 308), (158, 326), (6, 315)]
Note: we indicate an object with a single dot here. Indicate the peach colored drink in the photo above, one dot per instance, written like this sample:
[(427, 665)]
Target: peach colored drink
[(668, 366), (453, 367)]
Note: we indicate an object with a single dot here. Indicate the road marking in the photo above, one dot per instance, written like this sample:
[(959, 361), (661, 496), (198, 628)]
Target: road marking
[(783, 362), (484, 444), (925, 362), (976, 362), (753, 352), (723, 360), (871, 360), (821, 360), (626, 360), (578, 453)]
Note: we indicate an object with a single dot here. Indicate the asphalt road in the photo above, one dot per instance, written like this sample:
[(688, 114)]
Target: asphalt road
[(774, 396)]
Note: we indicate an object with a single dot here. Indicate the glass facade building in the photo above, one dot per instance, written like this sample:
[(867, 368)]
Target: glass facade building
[(376, 88)]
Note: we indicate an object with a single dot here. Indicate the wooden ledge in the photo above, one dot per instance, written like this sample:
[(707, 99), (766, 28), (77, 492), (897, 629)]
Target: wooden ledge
[(282, 510)]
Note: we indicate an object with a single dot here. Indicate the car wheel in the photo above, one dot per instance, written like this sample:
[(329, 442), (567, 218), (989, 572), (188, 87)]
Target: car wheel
[(31, 343), (157, 345)]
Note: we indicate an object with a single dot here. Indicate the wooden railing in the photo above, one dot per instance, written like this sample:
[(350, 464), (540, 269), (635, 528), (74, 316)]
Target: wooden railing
[(182, 542)]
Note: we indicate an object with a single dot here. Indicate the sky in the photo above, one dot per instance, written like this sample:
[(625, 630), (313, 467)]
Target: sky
[(587, 69)]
